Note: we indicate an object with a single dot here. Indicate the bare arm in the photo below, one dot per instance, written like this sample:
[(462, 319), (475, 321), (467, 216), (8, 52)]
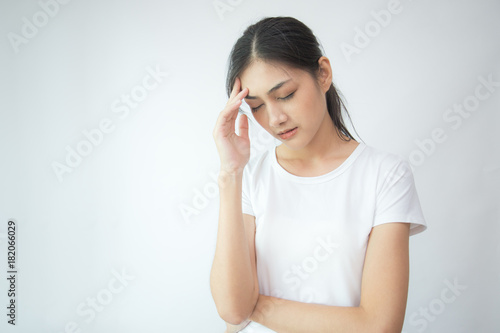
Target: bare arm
[(233, 278)]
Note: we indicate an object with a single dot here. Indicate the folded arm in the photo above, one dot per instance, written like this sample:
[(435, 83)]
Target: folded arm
[(384, 290)]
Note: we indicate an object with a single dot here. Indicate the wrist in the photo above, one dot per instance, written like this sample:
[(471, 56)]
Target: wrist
[(228, 177)]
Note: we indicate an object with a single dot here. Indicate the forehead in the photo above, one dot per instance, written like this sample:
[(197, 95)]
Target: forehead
[(260, 76)]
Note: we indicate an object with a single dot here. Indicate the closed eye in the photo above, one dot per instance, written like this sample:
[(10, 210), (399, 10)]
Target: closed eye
[(287, 97), (282, 98)]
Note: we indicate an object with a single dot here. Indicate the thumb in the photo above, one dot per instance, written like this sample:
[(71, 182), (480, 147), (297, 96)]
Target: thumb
[(243, 126)]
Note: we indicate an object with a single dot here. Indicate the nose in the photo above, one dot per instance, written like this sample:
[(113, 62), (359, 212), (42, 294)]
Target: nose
[(276, 117)]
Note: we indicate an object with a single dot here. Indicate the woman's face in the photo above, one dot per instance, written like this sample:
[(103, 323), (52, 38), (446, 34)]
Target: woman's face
[(283, 98)]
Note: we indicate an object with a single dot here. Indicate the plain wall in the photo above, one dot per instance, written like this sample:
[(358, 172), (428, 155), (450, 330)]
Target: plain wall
[(142, 202)]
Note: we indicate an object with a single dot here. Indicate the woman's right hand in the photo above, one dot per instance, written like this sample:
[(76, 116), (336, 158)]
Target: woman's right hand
[(234, 150)]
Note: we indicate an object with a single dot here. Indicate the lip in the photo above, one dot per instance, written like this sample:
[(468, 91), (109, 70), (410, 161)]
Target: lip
[(288, 134)]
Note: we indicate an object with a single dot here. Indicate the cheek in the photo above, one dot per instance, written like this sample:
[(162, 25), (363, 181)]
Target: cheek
[(261, 121), (317, 104)]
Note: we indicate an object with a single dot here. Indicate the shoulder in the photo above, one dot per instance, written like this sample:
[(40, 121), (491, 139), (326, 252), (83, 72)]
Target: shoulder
[(382, 158), (386, 166)]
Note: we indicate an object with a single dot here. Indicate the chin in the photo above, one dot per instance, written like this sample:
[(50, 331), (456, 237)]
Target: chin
[(292, 146)]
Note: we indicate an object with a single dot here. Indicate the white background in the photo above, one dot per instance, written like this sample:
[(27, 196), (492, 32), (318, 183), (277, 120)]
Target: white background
[(120, 209)]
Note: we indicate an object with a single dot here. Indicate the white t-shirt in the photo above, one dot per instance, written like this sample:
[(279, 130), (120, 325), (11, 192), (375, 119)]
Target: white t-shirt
[(312, 232)]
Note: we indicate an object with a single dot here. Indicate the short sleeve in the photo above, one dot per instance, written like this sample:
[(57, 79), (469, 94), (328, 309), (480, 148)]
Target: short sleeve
[(246, 203), (397, 199)]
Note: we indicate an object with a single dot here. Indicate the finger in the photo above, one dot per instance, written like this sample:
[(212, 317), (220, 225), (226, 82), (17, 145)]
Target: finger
[(228, 115), (243, 126), (242, 94), (236, 88), (232, 115), (231, 109), (238, 98)]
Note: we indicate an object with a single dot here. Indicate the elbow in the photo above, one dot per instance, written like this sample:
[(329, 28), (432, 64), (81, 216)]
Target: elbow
[(233, 318), (235, 310), (231, 314), (236, 314)]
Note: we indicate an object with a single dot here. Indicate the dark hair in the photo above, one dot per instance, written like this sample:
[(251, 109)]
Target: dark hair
[(289, 41)]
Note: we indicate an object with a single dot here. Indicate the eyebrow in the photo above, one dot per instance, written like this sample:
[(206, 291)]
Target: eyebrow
[(276, 87)]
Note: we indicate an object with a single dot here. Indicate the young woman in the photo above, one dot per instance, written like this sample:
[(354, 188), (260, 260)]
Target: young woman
[(313, 234)]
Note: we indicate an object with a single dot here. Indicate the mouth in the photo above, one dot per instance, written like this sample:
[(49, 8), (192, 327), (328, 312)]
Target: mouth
[(288, 133)]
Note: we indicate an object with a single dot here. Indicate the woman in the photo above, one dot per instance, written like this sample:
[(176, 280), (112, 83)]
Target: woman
[(313, 234)]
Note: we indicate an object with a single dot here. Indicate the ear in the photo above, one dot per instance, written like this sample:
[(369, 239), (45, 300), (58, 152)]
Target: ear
[(324, 73)]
